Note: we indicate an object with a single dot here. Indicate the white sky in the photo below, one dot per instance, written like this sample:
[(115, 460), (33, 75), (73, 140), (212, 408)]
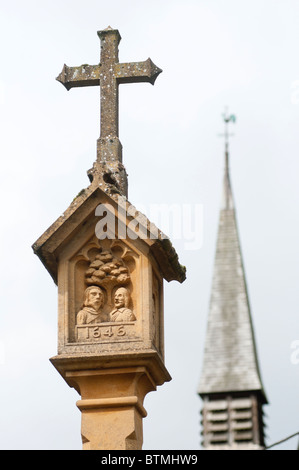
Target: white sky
[(213, 54)]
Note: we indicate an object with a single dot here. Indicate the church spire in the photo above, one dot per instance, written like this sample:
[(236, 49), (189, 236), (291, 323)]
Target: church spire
[(230, 383)]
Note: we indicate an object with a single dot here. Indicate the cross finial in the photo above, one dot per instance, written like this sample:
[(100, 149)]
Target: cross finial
[(108, 74)]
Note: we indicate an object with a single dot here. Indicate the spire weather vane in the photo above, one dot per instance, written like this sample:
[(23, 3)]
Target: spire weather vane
[(227, 118)]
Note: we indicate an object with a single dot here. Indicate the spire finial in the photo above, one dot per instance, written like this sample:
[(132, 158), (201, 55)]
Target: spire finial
[(227, 118), (227, 200)]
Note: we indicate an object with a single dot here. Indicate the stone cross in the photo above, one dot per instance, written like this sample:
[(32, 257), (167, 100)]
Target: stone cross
[(108, 74), (110, 290)]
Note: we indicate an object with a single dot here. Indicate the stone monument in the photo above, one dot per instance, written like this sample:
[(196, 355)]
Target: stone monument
[(110, 282)]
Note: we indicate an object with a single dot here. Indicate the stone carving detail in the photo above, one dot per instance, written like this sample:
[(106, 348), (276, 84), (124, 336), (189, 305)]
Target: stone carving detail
[(107, 310), (106, 269), (121, 312), (92, 306)]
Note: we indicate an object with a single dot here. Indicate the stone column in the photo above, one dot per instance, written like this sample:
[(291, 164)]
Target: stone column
[(112, 398), (112, 407)]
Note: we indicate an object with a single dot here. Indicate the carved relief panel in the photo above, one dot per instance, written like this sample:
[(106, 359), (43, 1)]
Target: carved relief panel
[(104, 310), (110, 299)]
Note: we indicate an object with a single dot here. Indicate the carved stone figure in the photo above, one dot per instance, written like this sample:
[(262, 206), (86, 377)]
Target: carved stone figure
[(121, 312), (92, 306)]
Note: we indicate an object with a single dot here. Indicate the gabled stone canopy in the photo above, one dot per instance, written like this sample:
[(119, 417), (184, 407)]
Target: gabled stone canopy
[(82, 211)]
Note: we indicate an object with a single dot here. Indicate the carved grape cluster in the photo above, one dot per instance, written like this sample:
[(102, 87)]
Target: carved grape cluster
[(107, 269)]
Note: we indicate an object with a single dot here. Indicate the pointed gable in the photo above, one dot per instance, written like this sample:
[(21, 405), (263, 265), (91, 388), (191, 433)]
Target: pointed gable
[(81, 213)]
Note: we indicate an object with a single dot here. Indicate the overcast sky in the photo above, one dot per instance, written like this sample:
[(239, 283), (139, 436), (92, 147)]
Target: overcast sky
[(243, 55)]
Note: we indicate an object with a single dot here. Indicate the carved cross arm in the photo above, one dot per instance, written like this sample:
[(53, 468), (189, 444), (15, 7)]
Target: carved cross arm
[(84, 75), (133, 72)]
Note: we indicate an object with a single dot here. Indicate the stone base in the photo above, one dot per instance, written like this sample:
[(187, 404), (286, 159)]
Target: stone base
[(112, 392)]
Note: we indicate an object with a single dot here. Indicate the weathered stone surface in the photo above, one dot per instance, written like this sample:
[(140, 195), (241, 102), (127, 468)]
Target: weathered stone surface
[(82, 211), (111, 406), (109, 74), (76, 259)]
